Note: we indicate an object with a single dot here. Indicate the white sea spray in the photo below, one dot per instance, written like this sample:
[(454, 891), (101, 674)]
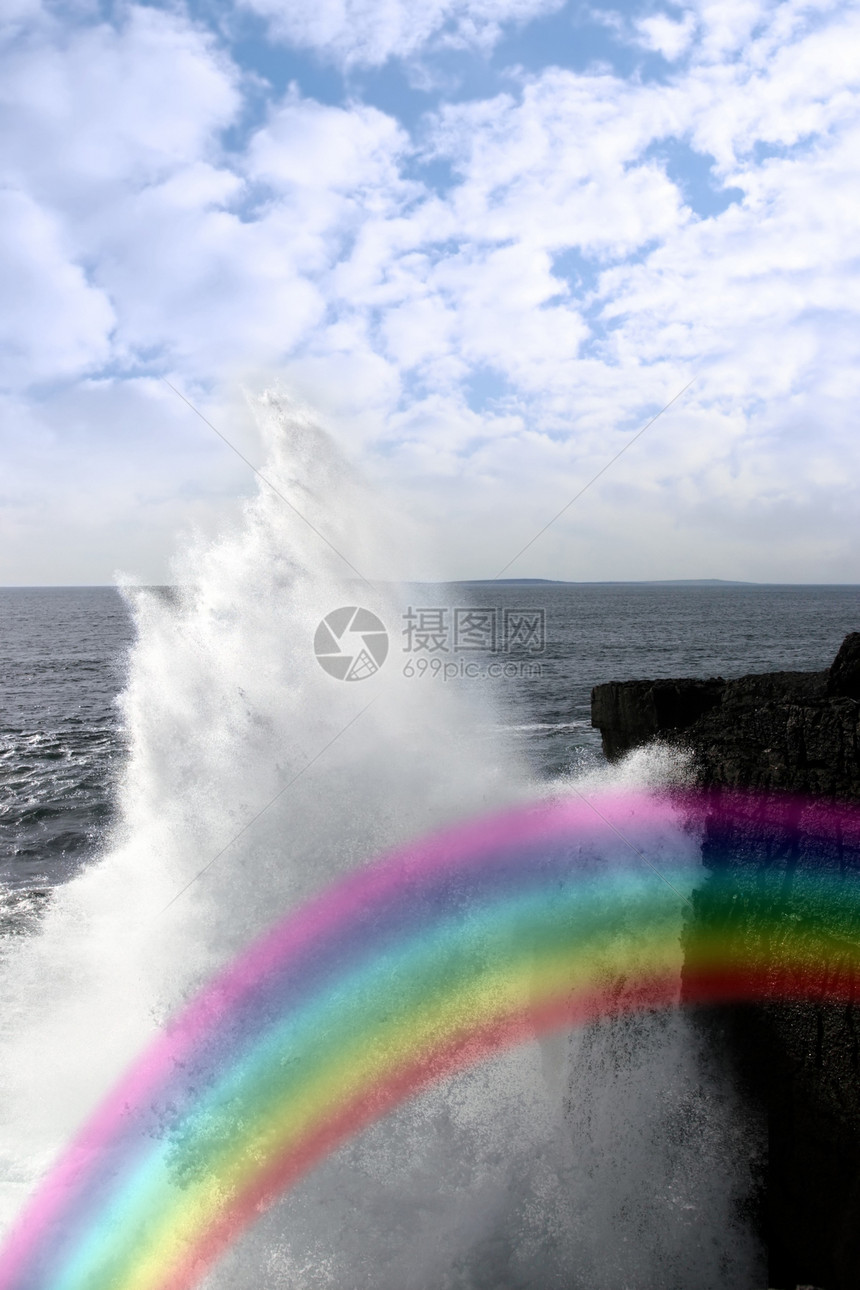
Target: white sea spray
[(607, 1159)]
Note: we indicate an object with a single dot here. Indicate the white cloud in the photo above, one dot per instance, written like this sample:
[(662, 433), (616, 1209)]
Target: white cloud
[(223, 286), (108, 139), (355, 32), (779, 96), (98, 108), (17, 15), (489, 345), (53, 323), (728, 25), (564, 166), (204, 286), (758, 301), (308, 148), (666, 35)]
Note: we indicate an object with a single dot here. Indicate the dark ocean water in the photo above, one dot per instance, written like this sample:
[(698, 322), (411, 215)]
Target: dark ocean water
[(63, 653), (62, 659)]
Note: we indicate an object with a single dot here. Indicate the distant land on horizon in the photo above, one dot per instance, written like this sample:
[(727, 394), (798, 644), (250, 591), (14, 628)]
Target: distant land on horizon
[(609, 582)]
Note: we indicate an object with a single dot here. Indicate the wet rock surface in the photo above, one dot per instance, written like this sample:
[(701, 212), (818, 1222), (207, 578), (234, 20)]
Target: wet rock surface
[(784, 734)]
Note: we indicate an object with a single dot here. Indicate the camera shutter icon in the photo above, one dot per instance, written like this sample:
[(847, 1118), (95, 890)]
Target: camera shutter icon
[(351, 643)]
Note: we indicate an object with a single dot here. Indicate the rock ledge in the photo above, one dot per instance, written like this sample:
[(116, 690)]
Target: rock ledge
[(795, 732)]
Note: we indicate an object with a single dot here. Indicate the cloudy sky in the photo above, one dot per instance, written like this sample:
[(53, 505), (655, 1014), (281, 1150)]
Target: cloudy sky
[(486, 239)]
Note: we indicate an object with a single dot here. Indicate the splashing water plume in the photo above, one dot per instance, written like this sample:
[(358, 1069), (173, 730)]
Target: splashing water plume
[(609, 1158)]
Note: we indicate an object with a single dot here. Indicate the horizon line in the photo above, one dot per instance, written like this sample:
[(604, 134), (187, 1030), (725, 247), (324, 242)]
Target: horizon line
[(458, 582)]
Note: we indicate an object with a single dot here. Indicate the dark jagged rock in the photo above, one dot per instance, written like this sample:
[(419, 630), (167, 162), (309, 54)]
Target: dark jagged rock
[(843, 680), (795, 733), (635, 712)]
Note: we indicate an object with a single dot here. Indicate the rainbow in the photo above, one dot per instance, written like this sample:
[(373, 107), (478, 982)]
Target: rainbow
[(429, 960)]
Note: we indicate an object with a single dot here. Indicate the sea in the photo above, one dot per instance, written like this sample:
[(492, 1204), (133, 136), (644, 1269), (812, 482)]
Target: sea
[(64, 657)]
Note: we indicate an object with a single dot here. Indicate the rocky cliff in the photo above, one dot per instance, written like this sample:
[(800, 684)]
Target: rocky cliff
[(790, 731), (796, 734)]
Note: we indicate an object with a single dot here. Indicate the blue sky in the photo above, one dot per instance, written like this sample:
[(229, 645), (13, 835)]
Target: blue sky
[(485, 239)]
